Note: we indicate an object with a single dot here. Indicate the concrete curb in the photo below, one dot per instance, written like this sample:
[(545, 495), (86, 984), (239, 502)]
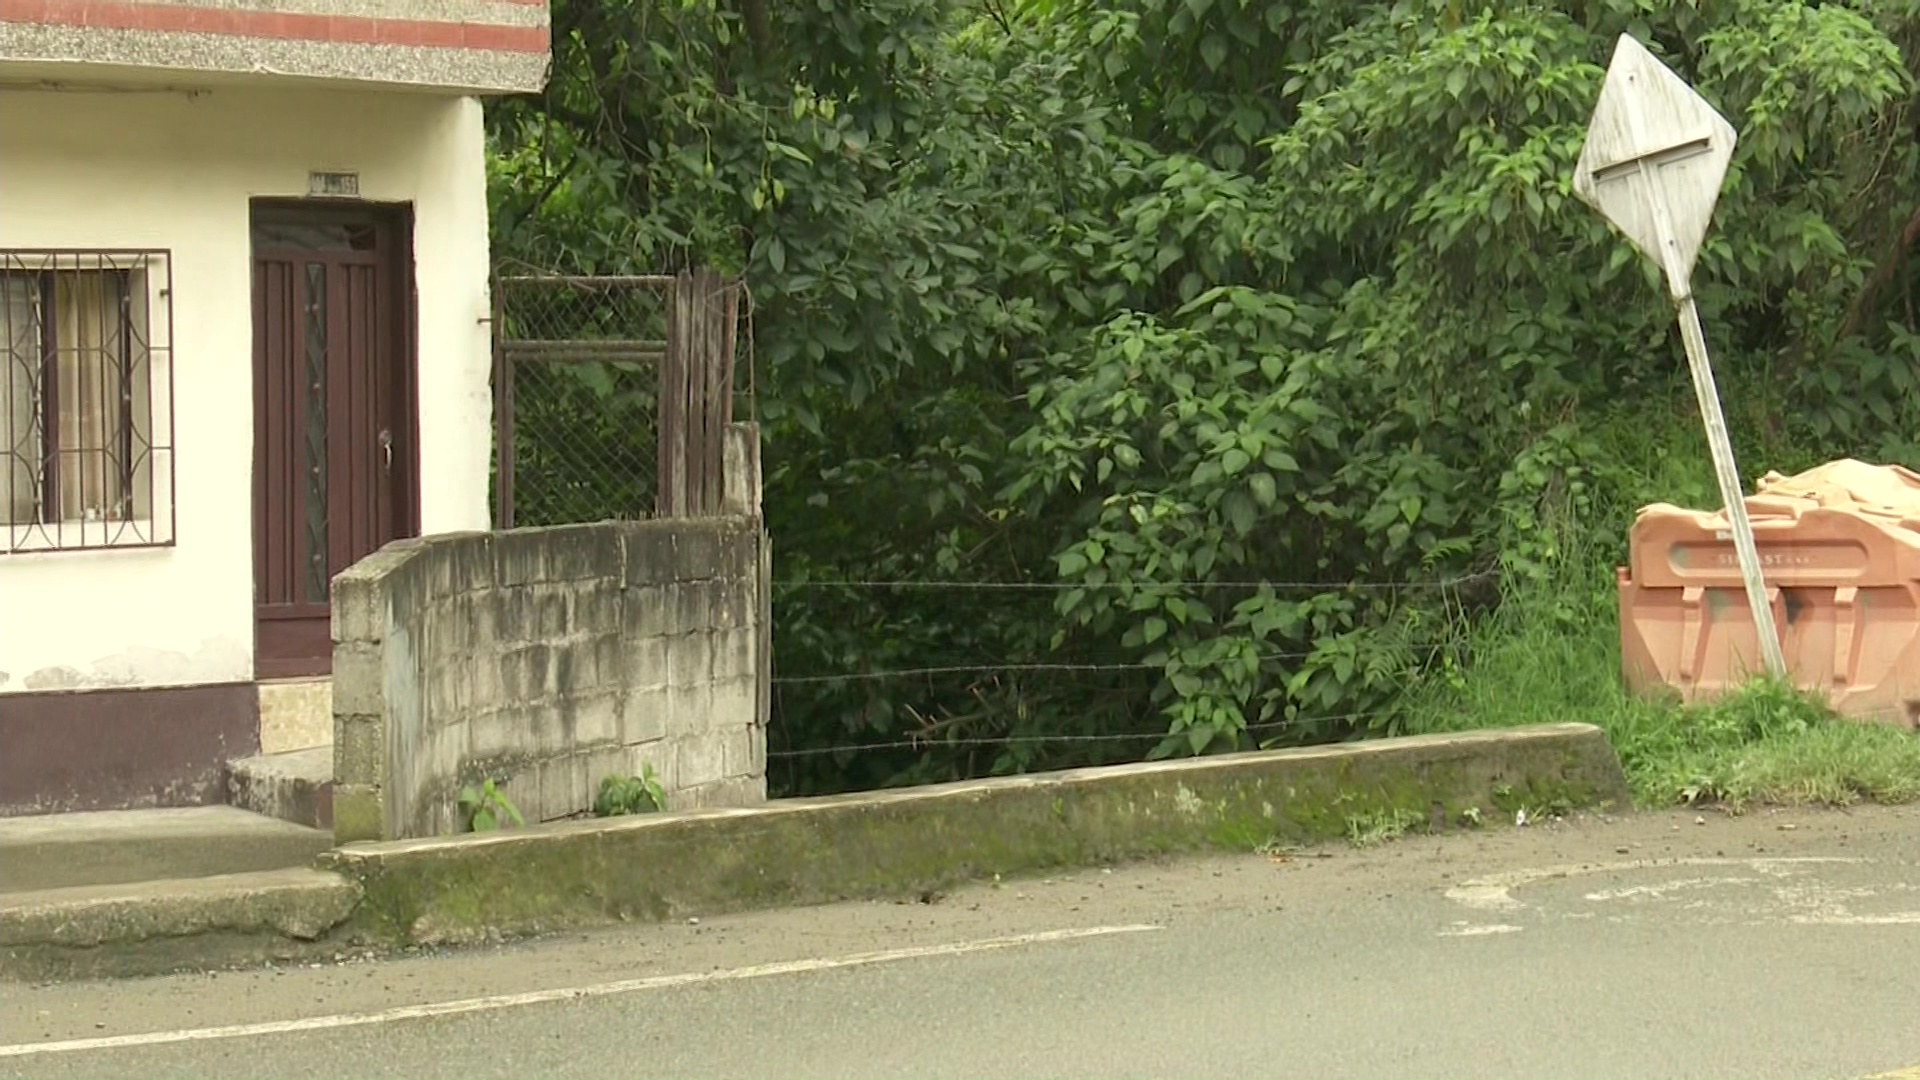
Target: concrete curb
[(156, 926), (808, 851), (800, 851)]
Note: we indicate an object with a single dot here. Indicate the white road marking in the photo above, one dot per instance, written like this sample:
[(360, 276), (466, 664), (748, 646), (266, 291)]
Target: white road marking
[(1805, 903), (536, 997), (1657, 891), (1893, 918), (1495, 891), (1481, 931)]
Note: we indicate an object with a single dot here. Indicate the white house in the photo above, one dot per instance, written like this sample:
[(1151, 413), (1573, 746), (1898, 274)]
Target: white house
[(244, 341)]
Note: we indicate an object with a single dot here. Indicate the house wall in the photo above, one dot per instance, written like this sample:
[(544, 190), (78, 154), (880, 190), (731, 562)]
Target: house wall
[(168, 170), (128, 168)]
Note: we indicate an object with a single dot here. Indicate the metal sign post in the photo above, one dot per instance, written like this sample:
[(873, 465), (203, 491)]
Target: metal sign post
[(1655, 155)]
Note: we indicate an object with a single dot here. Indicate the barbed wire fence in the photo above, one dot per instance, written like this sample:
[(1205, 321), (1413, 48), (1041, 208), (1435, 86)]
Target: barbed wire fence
[(1450, 588), (578, 375)]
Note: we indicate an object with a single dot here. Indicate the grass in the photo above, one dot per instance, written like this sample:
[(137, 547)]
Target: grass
[(1368, 830), (1763, 742), (1551, 652)]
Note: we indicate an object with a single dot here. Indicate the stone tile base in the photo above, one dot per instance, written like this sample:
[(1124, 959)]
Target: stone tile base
[(295, 714)]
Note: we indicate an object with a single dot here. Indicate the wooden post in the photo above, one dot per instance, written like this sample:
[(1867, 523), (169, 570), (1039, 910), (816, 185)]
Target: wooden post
[(696, 394), (671, 499), (712, 446), (502, 413), (726, 314), (699, 360)]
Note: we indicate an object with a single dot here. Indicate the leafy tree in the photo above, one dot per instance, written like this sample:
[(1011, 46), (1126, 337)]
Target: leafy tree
[(1259, 345)]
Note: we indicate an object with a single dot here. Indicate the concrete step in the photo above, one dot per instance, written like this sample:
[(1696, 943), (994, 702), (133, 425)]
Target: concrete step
[(116, 847), (295, 786), (174, 924)]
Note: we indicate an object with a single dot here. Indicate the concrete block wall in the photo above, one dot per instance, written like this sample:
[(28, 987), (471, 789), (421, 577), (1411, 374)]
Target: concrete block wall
[(551, 658)]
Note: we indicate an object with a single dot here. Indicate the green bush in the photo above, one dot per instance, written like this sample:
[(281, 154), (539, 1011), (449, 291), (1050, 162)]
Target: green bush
[(1133, 304)]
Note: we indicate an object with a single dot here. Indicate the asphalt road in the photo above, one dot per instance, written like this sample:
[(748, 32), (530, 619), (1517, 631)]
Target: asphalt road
[(1773, 944)]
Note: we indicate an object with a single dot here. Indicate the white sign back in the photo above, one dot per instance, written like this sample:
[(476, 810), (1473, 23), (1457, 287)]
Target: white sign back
[(1650, 128)]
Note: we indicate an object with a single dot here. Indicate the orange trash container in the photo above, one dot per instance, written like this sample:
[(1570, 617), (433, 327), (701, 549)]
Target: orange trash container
[(1840, 552)]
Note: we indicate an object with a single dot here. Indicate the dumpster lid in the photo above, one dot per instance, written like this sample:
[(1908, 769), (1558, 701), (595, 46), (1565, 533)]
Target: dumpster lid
[(1883, 490), (1889, 493)]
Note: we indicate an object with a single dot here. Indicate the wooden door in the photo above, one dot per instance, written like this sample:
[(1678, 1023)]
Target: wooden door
[(333, 418)]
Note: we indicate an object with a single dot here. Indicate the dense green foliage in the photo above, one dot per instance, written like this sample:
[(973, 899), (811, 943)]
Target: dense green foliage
[(1262, 344)]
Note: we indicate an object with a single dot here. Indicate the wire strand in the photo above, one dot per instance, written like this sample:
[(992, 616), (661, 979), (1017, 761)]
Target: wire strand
[(956, 669), (1061, 586), (966, 669), (1007, 740)]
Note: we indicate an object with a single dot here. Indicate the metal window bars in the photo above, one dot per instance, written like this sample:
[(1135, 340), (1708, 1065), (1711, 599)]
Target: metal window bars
[(86, 403)]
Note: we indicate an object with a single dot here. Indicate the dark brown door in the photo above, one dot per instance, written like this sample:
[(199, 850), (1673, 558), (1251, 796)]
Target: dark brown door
[(333, 457)]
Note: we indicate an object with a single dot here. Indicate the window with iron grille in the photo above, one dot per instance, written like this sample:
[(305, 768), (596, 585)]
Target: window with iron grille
[(86, 407)]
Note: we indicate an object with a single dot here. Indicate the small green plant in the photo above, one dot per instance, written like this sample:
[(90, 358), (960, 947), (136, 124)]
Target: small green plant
[(1379, 826), (1557, 807), (486, 806), (629, 795)]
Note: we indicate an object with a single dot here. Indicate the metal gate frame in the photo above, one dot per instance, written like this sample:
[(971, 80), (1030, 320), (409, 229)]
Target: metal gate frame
[(696, 372)]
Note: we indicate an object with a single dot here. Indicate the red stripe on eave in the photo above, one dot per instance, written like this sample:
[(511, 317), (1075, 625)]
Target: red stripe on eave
[(338, 29)]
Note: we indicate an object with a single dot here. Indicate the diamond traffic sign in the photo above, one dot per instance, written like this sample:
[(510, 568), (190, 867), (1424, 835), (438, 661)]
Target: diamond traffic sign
[(1656, 153)]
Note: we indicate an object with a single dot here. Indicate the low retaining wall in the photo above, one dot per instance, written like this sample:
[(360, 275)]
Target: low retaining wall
[(804, 851), (801, 851), (549, 659)]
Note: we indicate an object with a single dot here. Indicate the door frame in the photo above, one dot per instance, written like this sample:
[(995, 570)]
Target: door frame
[(397, 220)]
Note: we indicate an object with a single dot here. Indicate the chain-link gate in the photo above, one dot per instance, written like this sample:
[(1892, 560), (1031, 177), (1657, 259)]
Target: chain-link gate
[(598, 382)]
